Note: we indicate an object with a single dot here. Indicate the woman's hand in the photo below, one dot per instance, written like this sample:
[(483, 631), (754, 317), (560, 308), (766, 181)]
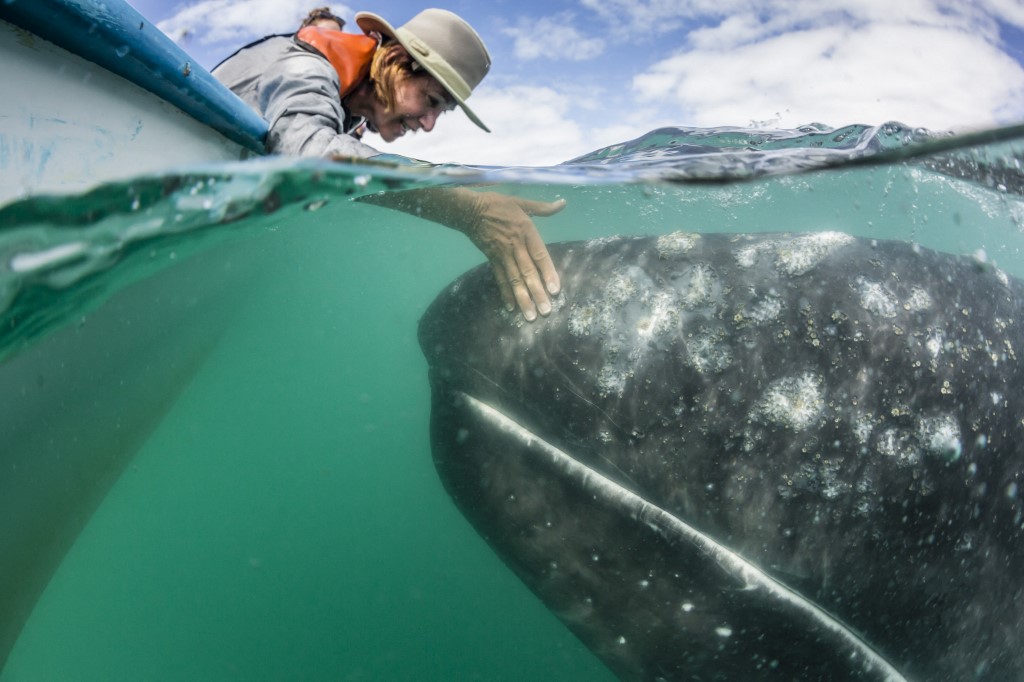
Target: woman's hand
[(501, 227)]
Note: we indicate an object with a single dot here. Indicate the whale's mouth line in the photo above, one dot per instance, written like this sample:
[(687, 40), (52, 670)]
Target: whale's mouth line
[(672, 528)]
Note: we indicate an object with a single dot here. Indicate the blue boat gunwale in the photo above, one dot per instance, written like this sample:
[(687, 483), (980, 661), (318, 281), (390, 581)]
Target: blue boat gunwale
[(113, 35)]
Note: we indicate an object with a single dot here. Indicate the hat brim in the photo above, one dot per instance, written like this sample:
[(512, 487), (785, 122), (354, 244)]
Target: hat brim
[(373, 23)]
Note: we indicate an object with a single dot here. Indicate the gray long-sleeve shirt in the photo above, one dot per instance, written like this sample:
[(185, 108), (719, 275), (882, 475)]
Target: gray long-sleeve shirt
[(296, 91)]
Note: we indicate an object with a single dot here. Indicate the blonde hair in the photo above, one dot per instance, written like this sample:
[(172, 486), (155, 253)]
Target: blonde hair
[(391, 65)]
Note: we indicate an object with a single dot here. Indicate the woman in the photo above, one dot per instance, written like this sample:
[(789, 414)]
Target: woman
[(317, 87)]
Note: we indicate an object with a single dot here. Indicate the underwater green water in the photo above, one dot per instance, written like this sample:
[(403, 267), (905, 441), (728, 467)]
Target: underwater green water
[(283, 520)]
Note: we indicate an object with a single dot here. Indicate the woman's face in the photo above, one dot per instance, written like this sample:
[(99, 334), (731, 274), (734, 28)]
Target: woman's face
[(419, 101)]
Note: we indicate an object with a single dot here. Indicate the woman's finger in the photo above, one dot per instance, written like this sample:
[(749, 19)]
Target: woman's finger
[(542, 261), (541, 208), (504, 289), (516, 282)]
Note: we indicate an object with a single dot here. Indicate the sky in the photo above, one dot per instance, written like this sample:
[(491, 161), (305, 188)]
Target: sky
[(572, 76)]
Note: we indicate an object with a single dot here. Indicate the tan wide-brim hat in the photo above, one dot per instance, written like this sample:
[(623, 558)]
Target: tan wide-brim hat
[(444, 45)]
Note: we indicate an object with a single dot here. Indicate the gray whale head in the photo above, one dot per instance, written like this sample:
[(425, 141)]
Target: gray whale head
[(729, 457)]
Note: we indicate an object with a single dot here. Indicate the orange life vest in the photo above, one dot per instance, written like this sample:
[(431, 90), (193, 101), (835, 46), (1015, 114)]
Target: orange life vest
[(350, 54)]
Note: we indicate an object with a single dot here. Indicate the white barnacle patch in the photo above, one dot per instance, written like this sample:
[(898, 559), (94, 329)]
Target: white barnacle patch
[(611, 381), (662, 316), (600, 242), (622, 287), (918, 300), (876, 299), (794, 402), (583, 319), (898, 444), (862, 426), (766, 310), (934, 344), (629, 317), (830, 485), (707, 353), (940, 436), (698, 288), (747, 256), (676, 243), (800, 254)]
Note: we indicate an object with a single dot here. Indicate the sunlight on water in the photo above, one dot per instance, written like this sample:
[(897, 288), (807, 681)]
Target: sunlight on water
[(241, 342)]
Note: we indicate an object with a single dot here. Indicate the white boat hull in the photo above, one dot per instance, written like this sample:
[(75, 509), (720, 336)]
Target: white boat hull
[(67, 124)]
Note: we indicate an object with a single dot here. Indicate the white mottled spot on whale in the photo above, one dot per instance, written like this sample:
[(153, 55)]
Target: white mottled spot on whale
[(582, 319), (767, 309), (898, 443), (621, 287), (919, 300), (699, 287), (800, 254), (611, 381), (600, 242), (662, 317), (940, 436), (723, 631), (686, 607), (934, 344), (747, 256), (875, 299), (862, 426), (795, 402), (707, 354), (676, 243)]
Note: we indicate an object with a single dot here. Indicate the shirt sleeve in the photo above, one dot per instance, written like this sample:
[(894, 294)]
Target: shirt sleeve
[(299, 99)]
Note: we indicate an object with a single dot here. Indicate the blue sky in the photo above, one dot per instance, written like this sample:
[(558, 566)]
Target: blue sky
[(570, 76)]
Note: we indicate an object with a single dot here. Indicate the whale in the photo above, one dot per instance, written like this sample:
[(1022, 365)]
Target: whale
[(749, 456)]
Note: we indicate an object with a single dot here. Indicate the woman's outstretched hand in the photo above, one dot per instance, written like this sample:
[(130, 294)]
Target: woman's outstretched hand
[(499, 225), (502, 227)]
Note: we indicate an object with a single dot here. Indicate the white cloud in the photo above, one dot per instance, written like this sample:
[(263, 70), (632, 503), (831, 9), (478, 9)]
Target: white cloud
[(873, 63), (644, 17), (237, 21), (553, 38)]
